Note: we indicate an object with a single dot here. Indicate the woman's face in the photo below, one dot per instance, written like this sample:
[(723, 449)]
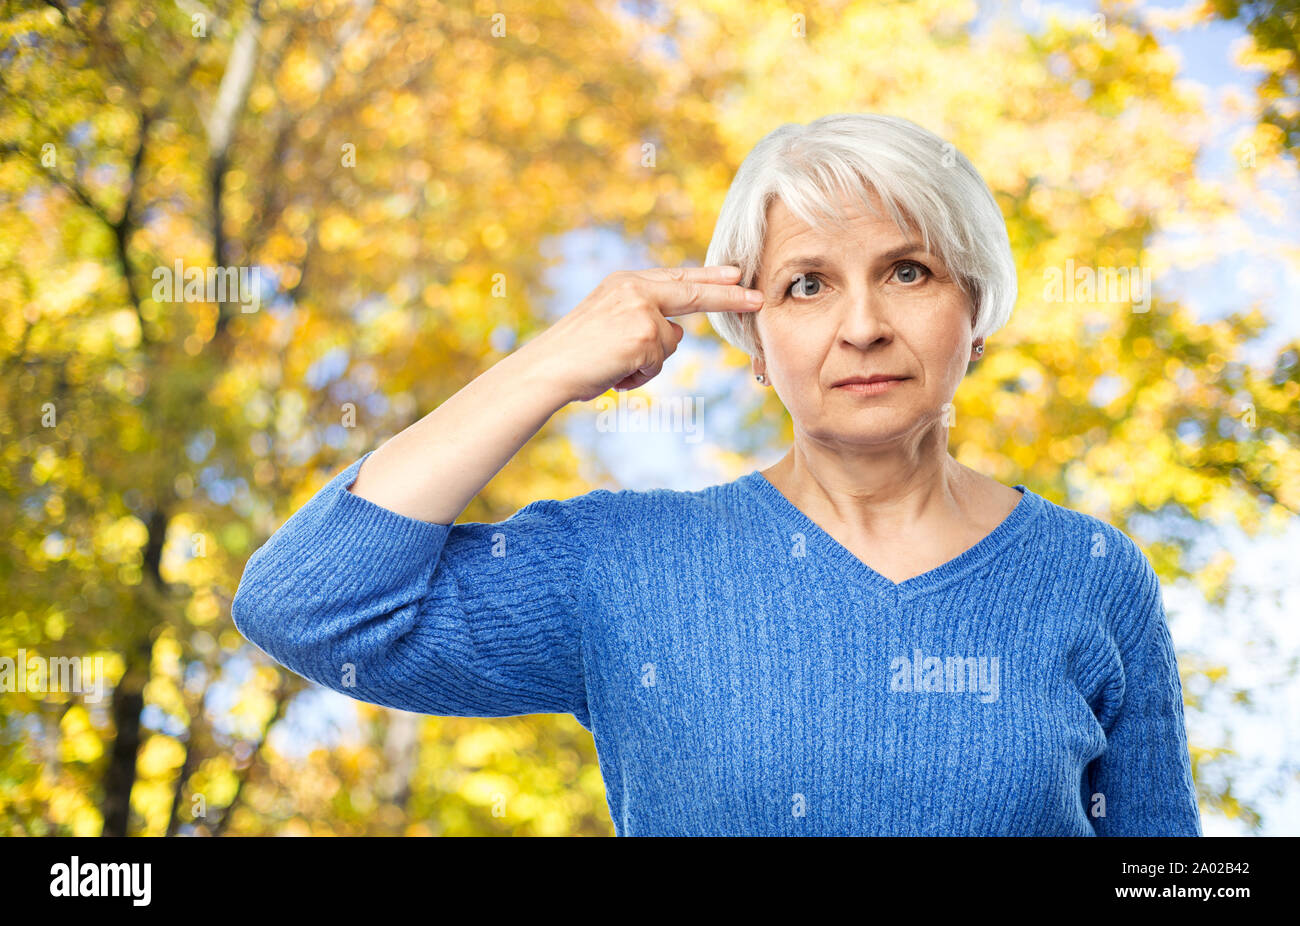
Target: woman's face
[(868, 302)]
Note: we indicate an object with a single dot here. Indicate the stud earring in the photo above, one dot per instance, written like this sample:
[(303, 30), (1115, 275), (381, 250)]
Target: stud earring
[(979, 350), (761, 378)]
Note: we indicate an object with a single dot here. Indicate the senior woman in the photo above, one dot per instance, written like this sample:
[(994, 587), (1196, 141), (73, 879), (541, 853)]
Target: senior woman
[(866, 638)]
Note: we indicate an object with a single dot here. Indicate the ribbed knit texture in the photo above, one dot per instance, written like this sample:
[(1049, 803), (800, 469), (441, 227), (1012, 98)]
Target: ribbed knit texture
[(743, 673)]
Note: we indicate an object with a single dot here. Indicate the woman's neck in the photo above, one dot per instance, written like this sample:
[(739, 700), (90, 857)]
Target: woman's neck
[(881, 498)]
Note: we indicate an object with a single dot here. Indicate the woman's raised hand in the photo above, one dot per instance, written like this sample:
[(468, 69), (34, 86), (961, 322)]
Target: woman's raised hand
[(620, 335)]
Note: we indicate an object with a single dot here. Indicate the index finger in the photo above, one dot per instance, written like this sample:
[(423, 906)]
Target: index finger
[(718, 273), (683, 297)]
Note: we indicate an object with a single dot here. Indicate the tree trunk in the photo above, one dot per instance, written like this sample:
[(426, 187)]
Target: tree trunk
[(119, 777), (128, 698)]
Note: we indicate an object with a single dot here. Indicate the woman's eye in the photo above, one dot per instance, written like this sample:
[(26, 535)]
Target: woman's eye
[(915, 268), (800, 286)]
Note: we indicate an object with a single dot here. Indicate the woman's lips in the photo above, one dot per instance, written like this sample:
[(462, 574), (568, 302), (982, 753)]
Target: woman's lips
[(870, 388)]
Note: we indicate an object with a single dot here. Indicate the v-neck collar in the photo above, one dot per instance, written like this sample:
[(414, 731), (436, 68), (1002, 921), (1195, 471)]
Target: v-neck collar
[(1029, 505)]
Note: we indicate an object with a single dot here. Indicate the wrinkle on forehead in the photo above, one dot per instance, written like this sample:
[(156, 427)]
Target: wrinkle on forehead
[(843, 224)]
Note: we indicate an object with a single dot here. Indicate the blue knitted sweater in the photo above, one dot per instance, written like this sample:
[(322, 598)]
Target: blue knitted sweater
[(742, 672)]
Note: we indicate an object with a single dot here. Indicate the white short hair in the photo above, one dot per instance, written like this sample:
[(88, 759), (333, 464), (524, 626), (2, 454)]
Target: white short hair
[(921, 179)]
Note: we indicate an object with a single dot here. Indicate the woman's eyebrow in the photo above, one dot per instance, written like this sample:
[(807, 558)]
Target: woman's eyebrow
[(813, 261), (910, 247)]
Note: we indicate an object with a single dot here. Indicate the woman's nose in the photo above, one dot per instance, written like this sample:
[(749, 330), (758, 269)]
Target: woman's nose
[(862, 319)]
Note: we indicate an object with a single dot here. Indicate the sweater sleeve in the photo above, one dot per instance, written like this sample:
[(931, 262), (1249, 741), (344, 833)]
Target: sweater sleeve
[(1145, 773), (469, 620)]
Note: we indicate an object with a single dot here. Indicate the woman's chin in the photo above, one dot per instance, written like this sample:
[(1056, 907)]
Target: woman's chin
[(882, 431)]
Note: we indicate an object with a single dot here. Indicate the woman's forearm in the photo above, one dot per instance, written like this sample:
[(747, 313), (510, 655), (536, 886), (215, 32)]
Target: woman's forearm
[(619, 336), (434, 468)]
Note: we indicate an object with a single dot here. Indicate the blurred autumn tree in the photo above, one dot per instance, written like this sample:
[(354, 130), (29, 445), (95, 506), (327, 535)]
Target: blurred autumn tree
[(393, 170), (1274, 25)]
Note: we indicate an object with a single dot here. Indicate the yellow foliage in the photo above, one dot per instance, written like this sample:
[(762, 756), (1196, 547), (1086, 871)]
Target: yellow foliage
[(159, 756), (339, 231), (472, 154), (78, 741)]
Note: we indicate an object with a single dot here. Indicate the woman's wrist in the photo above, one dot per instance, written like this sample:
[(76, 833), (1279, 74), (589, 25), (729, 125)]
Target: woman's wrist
[(540, 373)]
